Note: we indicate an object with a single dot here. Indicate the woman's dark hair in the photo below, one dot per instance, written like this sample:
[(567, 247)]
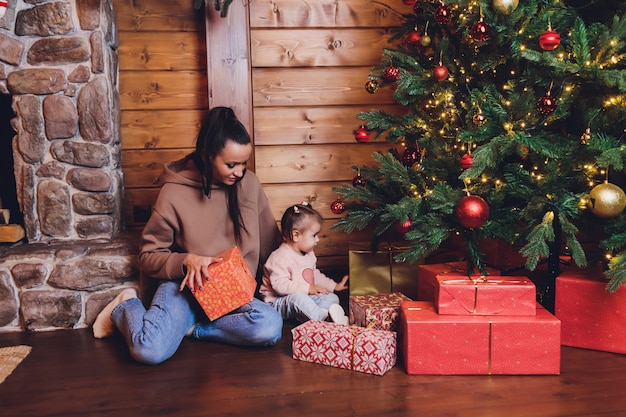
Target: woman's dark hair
[(297, 217), (219, 126)]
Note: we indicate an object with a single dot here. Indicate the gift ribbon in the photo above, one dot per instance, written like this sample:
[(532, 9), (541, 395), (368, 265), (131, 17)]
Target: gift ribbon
[(481, 280), (356, 331)]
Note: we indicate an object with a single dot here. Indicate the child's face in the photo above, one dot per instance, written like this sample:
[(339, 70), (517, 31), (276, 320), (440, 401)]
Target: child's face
[(306, 240)]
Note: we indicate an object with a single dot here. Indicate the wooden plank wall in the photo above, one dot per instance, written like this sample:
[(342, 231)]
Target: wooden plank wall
[(163, 92), (310, 61)]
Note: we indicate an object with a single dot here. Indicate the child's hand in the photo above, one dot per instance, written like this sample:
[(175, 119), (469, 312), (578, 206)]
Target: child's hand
[(316, 290), (341, 285)]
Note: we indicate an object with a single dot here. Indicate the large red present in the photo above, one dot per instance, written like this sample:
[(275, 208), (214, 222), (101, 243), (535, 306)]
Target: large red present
[(469, 345), (348, 347), (380, 311), (230, 285), (427, 282), (591, 317), (491, 295)]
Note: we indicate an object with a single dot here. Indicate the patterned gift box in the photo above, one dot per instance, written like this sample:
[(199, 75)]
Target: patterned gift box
[(591, 317), (348, 347), (427, 282), (230, 286), (469, 345), (379, 273), (380, 311)]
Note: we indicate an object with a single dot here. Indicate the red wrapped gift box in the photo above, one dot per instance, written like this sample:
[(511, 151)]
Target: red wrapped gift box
[(230, 285), (380, 311), (469, 345), (348, 347), (591, 317), (455, 293), (427, 282)]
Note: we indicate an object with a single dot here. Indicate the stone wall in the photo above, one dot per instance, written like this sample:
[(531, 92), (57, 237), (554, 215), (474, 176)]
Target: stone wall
[(58, 61)]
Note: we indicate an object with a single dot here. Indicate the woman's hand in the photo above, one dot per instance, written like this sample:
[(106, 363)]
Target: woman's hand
[(197, 268)]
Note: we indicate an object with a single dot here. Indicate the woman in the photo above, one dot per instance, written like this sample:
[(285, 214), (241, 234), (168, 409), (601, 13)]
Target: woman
[(207, 204)]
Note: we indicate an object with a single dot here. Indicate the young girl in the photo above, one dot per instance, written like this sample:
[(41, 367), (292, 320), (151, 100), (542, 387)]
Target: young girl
[(292, 284), (208, 203)]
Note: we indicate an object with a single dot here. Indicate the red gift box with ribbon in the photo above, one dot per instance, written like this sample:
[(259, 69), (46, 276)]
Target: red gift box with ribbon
[(591, 317), (230, 285), (380, 311), (455, 293), (348, 347), (434, 344)]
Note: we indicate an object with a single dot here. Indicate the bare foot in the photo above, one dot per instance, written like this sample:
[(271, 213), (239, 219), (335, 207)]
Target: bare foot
[(103, 326)]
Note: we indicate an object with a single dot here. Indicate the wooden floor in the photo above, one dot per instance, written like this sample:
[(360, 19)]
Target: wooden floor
[(69, 373)]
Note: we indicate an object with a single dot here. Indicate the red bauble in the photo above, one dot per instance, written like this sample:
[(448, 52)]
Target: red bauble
[(410, 156), (549, 40), (440, 73), (409, 2), (480, 31), (546, 104), (391, 73), (466, 161), (413, 38), (337, 207), (443, 14), (471, 211), (359, 181), (404, 227), (362, 135)]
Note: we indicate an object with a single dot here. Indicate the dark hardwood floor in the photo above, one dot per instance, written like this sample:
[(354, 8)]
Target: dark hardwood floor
[(69, 373)]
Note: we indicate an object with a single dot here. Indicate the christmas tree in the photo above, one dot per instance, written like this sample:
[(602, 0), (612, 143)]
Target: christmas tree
[(512, 128)]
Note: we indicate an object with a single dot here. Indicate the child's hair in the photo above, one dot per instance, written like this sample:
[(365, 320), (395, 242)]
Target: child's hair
[(298, 217)]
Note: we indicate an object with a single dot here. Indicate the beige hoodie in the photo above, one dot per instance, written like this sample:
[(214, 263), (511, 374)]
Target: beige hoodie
[(184, 220)]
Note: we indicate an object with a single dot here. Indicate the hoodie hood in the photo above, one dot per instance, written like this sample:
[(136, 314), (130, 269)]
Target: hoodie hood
[(183, 172)]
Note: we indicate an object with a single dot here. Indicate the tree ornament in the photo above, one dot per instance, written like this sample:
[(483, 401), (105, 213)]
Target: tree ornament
[(410, 156), (471, 211), (606, 200), (413, 38), (586, 137), (337, 207), (443, 14), (359, 181), (404, 227), (549, 40), (371, 86), (409, 2), (546, 104), (479, 119), (425, 41), (391, 73), (505, 7), (466, 161), (440, 72), (480, 31), (362, 135)]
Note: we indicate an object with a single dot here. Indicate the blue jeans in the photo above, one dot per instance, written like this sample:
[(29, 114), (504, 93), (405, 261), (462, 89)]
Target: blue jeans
[(304, 307), (154, 335)]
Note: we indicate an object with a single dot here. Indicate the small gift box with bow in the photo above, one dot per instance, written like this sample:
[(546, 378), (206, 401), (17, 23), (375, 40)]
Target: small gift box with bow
[(342, 346), (453, 292), (434, 344), (230, 285), (380, 311)]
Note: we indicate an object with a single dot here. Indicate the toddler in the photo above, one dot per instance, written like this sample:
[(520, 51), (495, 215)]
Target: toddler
[(292, 284)]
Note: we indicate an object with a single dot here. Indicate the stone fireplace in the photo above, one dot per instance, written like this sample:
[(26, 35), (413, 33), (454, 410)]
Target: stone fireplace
[(58, 63)]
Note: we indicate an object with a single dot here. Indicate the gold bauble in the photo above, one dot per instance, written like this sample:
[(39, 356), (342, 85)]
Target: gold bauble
[(505, 6), (607, 200)]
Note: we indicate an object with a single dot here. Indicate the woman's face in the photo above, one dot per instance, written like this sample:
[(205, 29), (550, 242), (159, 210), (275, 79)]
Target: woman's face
[(230, 164)]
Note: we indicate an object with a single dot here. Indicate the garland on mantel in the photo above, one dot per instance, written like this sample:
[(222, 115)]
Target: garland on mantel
[(220, 5)]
